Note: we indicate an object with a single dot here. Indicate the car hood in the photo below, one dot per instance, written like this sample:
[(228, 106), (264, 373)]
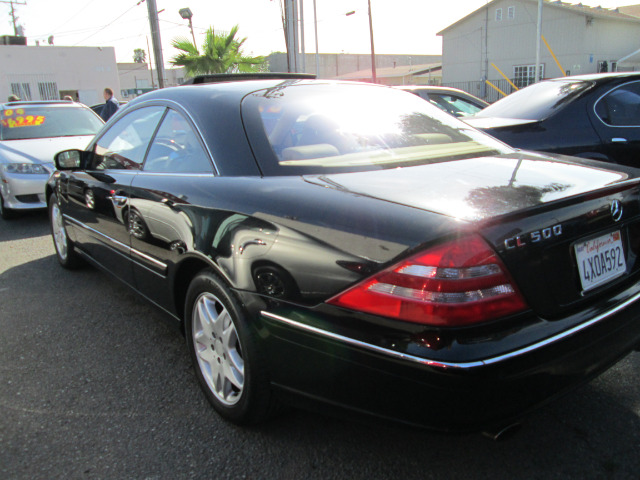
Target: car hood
[(39, 150), (495, 122), (478, 188)]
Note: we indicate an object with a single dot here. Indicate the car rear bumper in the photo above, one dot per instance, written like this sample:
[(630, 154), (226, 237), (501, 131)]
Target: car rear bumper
[(396, 384), (24, 192)]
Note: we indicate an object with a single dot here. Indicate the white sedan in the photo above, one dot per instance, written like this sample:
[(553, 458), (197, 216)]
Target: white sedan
[(31, 133)]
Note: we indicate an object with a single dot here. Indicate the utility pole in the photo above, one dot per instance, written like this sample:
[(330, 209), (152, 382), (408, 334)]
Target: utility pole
[(291, 34), (14, 18), (373, 52), (538, 35), (155, 40)]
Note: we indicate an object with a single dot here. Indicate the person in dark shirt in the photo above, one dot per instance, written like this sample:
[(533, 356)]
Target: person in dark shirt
[(111, 105)]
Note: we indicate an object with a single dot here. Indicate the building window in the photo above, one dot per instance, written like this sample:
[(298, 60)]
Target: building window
[(524, 75), (22, 90), (48, 90), (511, 13), (498, 14)]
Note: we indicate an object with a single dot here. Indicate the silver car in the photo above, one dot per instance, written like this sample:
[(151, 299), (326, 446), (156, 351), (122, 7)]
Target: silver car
[(31, 133)]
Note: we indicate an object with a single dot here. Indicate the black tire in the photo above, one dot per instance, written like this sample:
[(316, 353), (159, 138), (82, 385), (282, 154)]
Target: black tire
[(65, 250), (229, 367), (6, 213)]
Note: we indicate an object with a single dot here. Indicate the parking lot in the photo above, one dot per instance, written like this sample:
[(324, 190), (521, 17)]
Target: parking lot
[(95, 384)]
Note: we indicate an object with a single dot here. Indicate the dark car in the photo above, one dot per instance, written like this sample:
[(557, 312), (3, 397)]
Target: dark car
[(349, 245), (591, 116), (452, 100)]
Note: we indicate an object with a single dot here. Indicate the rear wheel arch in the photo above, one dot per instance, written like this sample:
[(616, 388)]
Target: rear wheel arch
[(187, 270)]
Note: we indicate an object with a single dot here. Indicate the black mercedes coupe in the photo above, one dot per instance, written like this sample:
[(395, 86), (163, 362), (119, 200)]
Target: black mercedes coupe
[(350, 246)]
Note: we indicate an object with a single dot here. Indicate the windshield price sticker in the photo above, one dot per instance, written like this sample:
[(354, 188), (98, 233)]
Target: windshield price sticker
[(600, 260), (17, 118)]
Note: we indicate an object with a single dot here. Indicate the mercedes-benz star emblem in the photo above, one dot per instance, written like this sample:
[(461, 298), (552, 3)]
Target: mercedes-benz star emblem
[(616, 210)]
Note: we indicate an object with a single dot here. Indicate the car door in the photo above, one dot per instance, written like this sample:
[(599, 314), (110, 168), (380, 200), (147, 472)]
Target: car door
[(97, 196), (616, 118), (167, 205)]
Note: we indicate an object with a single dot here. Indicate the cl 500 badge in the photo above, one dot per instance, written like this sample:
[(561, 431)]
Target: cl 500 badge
[(533, 237)]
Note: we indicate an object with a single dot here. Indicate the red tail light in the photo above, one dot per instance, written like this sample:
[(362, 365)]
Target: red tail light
[(458, 283)]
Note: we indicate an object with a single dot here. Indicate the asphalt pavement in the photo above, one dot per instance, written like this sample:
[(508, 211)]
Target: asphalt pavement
[(94, 383)]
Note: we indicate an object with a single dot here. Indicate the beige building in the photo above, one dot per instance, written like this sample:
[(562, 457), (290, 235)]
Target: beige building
[(429, 74), (138, 78), (501, 37), (339, 65), (50, 73)]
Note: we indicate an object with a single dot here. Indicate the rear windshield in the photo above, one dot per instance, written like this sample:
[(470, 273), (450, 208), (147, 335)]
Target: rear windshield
[(537, 101), (42, 122), (327, 128)]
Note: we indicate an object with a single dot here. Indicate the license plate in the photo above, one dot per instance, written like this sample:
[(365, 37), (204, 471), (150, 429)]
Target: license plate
[(600, 260)]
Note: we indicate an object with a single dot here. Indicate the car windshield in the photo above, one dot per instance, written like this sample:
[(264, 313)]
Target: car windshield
[(454, 105), (27, 122), (537, 101), (317, 129)]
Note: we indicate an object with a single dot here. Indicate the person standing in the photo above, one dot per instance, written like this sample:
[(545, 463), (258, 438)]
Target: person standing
[(111, 105)]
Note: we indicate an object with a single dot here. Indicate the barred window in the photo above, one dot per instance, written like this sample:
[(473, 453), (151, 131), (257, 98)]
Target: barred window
[(48, 91), (21, 90)]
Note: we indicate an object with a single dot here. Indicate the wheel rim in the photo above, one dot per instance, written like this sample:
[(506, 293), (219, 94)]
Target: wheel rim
[(218, 349), (136, 225), (59, 233)]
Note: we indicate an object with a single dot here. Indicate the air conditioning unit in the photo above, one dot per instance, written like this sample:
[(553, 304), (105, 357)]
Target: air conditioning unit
[(12, 40)]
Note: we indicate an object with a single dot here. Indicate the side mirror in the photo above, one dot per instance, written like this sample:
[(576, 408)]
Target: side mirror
[(68, 159)]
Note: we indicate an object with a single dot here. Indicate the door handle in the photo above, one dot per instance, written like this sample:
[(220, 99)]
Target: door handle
[(618, 140), (118, 200)]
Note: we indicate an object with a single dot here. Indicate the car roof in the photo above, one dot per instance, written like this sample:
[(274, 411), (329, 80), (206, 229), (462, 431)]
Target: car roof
[(41, 103), (602, 77), (234, 90)]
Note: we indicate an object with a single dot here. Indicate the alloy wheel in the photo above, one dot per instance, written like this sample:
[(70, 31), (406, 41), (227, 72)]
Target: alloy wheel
[(218, 349), (59, 233)]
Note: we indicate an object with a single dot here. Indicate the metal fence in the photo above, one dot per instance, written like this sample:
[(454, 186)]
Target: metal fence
[(483, 90)]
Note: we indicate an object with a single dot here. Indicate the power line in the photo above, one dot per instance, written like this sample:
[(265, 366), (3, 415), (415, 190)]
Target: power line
[(110, 23)]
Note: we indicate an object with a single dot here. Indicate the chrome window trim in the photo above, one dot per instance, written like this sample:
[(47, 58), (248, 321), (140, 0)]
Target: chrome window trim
[(462, 365), (179, 108)]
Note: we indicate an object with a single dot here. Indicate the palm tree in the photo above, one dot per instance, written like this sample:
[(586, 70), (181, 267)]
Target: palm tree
[(220, 54), (139, 55)]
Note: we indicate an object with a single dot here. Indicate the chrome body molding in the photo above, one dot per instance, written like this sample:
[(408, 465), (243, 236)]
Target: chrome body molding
[(113, 241), (462, 365)]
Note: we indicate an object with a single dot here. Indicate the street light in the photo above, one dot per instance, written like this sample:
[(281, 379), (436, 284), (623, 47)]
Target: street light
[(186, 14), (373, 52)]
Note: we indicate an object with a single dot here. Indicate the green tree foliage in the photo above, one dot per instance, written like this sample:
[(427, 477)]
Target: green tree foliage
[(221, 53), (139, 55)]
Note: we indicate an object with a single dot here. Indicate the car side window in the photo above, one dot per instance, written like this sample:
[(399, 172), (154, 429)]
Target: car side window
[(621, 107), (123, 146), (176, 148)]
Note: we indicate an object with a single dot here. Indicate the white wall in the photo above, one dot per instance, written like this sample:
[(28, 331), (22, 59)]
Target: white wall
[(577, 44), (86, 70)]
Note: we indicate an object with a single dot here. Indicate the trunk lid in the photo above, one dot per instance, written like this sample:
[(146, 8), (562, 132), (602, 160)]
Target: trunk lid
[(533, 210)]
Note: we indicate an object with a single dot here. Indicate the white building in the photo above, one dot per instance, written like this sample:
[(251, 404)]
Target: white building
[(50, 73), (500, 38)]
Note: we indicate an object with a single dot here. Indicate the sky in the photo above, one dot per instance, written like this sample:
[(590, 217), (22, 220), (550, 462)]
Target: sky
[(399, 26)]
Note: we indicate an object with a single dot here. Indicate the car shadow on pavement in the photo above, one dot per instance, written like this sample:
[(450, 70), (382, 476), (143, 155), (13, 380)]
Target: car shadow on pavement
[(83, 357), (26, 225)]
